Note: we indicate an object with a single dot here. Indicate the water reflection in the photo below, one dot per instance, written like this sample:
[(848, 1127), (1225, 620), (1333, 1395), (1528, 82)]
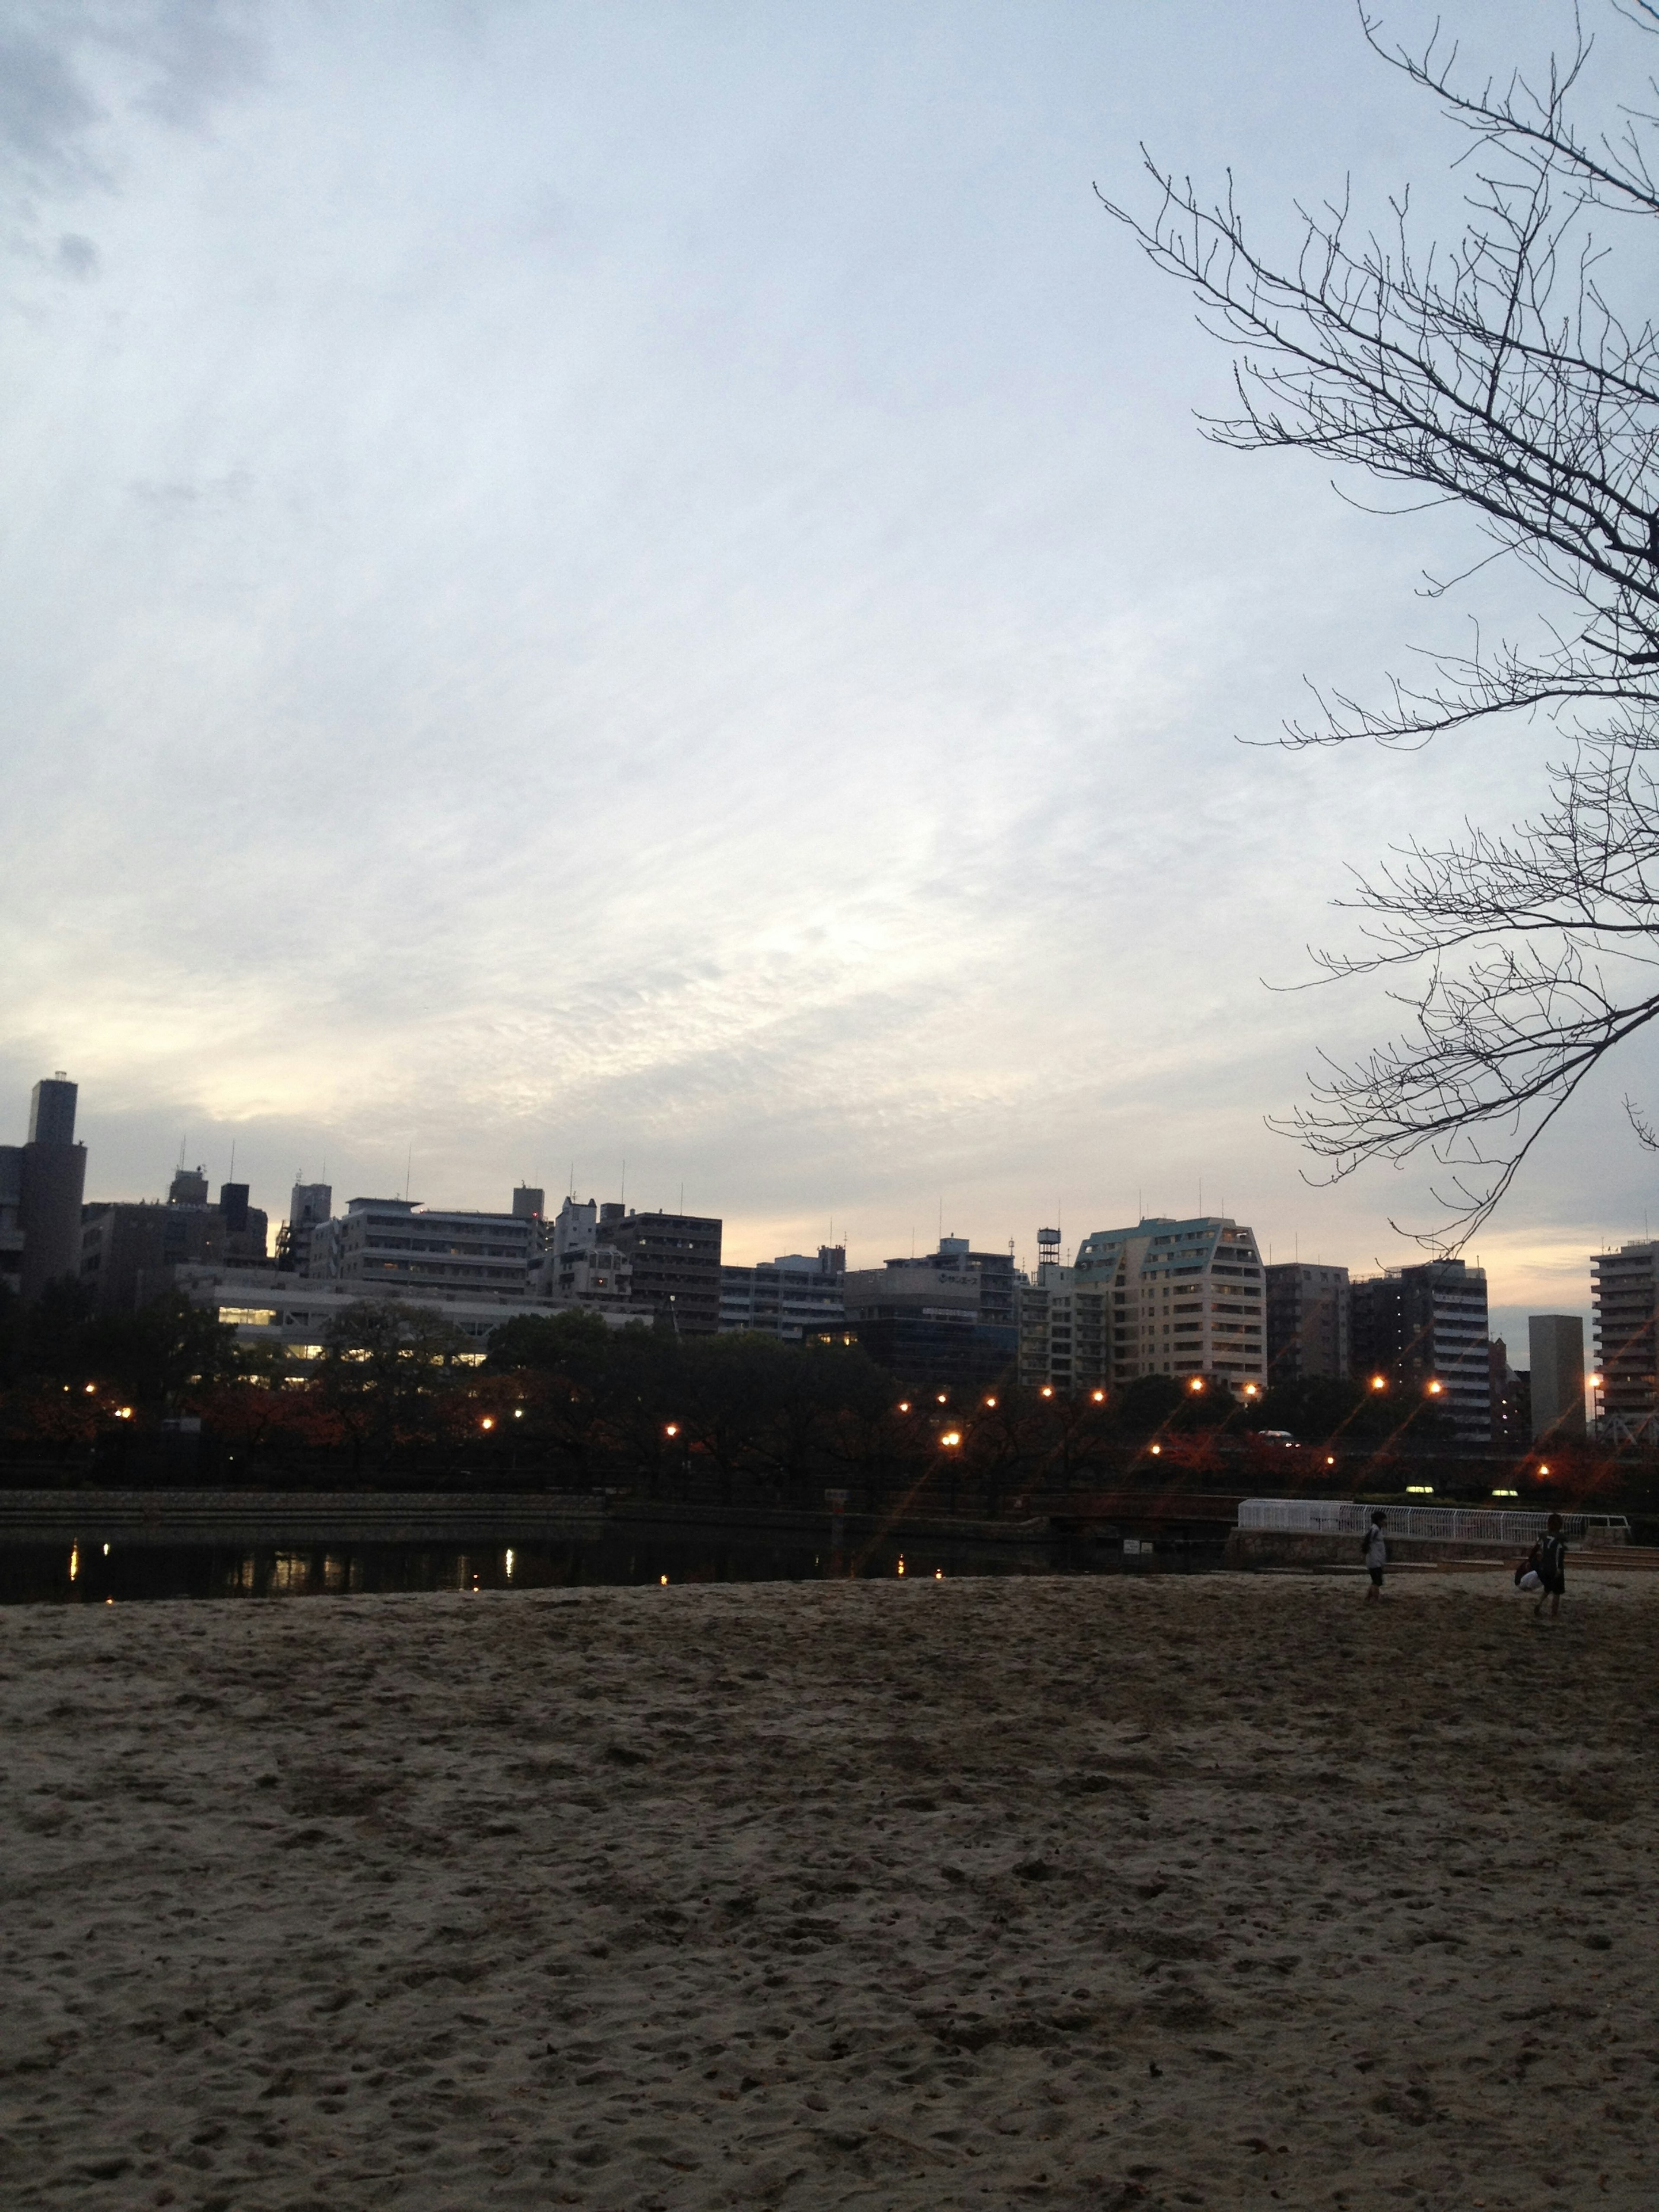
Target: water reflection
[(82, 1573)]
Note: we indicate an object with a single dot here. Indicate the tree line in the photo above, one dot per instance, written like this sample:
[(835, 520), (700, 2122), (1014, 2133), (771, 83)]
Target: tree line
[(397, 1394)]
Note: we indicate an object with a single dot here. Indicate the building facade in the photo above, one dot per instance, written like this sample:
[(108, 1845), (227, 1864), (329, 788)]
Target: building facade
[(948, 1319), (1555, 1345), (1422, 1330), (1065, 1329), (127, 1248), (580, 1264), (1625, 1291), (294, 1312), (42, 1182), (394, 1248), (1185, 1298), (791, 1297), (673, 1262), (309, 1205), (1308, 1316)]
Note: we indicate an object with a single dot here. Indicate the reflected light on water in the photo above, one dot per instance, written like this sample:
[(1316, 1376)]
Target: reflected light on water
[(901, 1564), (106, 1551), (509, 1563), (75, 1561), (662, 1581), (938, 1574)]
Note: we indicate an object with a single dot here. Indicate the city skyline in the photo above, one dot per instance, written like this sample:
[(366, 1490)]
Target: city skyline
[(598, 589)]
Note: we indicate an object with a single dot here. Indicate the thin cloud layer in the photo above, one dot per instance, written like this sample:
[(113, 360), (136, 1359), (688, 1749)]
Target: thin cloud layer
[(633, 586)]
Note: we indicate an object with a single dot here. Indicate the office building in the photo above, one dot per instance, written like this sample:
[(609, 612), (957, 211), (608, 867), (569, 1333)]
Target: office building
[(1308, 1322), (1422, 1330), (395, 1248), (1185, 1298), (1555, 1344), (1625, 1289), (41, 1183), (791, 1297), (947, 1319)]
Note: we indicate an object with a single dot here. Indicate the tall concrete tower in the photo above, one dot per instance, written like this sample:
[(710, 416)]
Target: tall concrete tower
[(52, 1182)]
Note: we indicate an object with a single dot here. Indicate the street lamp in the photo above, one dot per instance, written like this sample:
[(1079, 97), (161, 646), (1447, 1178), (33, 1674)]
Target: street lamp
[(1099, 1397), (1379, 1382), (488, 1422), (1196, 1385)]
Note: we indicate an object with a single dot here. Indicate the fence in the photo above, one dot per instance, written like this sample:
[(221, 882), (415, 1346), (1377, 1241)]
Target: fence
[(1445, 1524)]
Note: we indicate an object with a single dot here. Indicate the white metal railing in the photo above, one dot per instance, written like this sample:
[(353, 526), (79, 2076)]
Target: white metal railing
[(1469, 1524)]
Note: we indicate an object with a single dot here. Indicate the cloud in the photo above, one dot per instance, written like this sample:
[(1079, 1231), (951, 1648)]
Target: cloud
[(70, 74)]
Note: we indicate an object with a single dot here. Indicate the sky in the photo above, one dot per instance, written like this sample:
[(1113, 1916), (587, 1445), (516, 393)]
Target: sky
[(630, 596)]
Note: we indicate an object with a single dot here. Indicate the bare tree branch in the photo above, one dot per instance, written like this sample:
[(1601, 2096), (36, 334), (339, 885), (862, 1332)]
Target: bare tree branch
[(1496, 374)]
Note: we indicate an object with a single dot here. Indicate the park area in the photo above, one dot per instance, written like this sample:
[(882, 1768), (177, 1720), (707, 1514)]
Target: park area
[(1087, 1894)]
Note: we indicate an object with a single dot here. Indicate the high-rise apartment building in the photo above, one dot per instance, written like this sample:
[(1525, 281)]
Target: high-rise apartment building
[(1308, 1322), (1555, 1345), (1185, 1298), (41, 1183), (1625, 1292), (674, 1263), (1423, 1329), (1065, 1329), (793, 1297)]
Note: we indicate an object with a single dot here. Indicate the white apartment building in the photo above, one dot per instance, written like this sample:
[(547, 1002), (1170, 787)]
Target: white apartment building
[(581, 1264), (791, 1297), (1065, 1330), (392, 1248), (1185, 1298)]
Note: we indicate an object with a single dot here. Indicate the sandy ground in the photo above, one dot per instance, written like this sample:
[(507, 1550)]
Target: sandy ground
[(1227, 1891)]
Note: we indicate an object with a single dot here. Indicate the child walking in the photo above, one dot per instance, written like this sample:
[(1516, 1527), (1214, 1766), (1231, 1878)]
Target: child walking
[(1377, 1555)]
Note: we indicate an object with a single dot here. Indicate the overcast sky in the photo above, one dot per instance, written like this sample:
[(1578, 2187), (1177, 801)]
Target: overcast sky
[(637, 584)]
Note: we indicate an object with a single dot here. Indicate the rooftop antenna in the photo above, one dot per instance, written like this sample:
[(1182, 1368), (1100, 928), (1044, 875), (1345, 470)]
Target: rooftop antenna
[(183, 1141), (682, 1198), (625, 1183), (233, 1160), (408, 1170)]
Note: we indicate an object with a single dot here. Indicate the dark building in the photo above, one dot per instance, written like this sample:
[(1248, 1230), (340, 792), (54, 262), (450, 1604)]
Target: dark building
[(1512, 1399), (41, 1183), (947, 1319), (674, 1266), (1422, 1330), (126, 1249), (1308, 1322)]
